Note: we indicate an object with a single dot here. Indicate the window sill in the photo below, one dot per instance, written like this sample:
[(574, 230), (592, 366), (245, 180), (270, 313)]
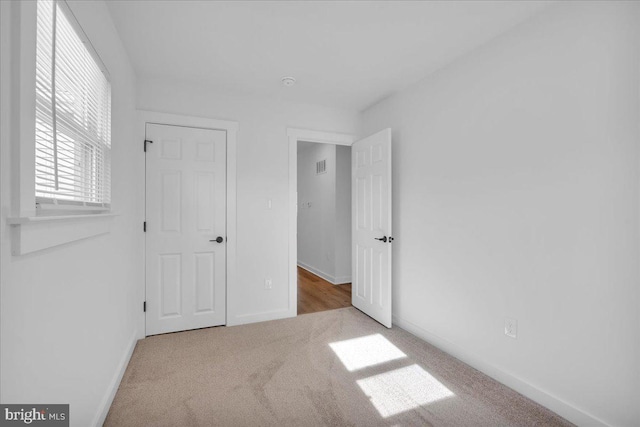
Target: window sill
[(35, 233)]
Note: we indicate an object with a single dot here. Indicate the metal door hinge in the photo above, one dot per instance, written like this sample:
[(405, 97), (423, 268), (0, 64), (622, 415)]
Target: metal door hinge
[(144, 306), (144, 226), (145, 144)]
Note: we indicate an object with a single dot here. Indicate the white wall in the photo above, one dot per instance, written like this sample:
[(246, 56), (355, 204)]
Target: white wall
[(343, 214), (262, 156), (324, 211), (516, 183), (69, 313)]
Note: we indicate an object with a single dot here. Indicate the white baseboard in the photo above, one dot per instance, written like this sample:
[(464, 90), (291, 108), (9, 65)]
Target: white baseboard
[(243, 319), (115, 382), (329, 278), (341, 280), (545, 399)]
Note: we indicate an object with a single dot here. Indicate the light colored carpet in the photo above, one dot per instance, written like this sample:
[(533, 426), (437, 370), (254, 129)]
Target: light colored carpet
[(334, 368)]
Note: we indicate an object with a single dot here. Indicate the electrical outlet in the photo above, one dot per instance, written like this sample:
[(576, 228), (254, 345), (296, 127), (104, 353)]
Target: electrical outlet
[(511, 327), (268, 284)]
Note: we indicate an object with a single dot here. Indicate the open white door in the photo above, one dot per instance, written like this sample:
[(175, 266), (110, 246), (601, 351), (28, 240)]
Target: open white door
[(371, 198), (185, 228)]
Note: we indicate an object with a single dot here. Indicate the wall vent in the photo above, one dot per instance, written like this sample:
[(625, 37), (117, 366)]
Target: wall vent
[(321, 167)]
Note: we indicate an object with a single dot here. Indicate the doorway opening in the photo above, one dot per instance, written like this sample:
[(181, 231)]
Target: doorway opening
[(306, 136), (370, 218), (323, 227)]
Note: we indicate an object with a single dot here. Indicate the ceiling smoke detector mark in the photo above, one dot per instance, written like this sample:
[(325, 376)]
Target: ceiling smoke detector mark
[(288, 81), (321, 167)]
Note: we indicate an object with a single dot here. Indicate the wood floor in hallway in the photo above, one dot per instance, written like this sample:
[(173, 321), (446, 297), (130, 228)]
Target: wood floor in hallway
[(316, 294)]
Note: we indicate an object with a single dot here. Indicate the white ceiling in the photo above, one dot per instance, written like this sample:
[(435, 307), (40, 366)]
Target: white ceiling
[(343, 54)]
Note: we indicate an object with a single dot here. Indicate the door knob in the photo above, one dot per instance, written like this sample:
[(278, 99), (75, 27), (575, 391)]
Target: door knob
[(382, 239), (218, 239)]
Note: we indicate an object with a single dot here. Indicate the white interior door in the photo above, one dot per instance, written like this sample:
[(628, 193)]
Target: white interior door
[(371, 198), (185, 214)]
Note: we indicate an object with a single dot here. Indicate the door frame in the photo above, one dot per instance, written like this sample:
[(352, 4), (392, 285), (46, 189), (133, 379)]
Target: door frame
[(231, 128), (296, 135)]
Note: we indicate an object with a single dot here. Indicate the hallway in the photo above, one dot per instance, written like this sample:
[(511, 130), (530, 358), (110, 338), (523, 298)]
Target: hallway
[(316, 294)]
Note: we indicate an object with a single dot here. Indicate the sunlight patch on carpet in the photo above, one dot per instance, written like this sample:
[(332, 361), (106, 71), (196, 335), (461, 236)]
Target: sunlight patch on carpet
[(358, 353), (403, 389)]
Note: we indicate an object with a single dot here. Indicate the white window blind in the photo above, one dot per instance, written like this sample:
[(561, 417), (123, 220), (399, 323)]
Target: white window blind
[(73, 113)]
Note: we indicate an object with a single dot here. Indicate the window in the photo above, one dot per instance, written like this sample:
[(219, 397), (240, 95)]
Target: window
[(73, 115)]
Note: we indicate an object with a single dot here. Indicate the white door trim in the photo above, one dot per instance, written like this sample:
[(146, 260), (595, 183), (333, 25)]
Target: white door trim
[(295, 135), (231, 127)]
